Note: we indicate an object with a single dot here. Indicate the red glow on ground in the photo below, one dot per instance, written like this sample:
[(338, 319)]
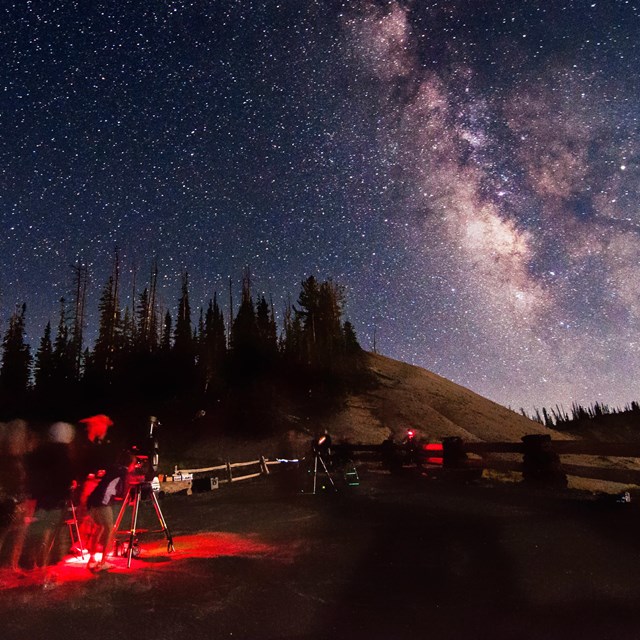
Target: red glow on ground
[(153, 556), (438, 461)]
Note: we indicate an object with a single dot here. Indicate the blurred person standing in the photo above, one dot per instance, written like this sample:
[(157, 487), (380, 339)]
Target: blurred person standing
[(50, 477), (16, 505)]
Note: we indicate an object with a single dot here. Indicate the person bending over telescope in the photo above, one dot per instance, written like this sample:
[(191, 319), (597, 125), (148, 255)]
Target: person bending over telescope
[(112, 485)]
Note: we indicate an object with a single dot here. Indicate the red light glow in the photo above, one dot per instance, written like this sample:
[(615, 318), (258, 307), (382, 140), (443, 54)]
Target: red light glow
[(153, 557), (97, 426)]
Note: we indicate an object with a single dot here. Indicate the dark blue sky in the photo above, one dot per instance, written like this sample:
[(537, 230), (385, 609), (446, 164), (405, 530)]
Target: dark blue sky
[(468, 170)]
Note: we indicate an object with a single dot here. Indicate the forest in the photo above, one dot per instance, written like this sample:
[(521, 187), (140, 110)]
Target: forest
[(242, 370)]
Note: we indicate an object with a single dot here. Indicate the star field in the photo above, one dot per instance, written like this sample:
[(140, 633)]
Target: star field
[(469, 170)]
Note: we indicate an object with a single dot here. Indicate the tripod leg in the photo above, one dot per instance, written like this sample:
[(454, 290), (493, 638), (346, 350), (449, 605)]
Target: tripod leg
[(163, 523), (134, 523), (74, 526), (49, 543), (315, 472), (123, 508), (324, 466)]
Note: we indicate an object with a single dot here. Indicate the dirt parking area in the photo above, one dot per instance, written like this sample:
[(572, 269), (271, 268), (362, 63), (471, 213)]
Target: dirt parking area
[(392, 558)]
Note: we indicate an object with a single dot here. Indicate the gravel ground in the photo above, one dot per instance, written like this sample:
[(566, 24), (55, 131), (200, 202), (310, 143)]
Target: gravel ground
[(393, 558)]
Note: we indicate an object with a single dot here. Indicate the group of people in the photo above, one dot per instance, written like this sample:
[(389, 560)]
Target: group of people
[(43, 473)]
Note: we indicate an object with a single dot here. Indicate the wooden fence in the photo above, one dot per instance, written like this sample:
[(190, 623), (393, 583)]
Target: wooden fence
[(537, 452), (535, 456), (562, 453), (229, 470)]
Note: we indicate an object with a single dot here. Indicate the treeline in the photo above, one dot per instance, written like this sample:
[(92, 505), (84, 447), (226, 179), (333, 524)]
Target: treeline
[(558, 418), (144, 357)]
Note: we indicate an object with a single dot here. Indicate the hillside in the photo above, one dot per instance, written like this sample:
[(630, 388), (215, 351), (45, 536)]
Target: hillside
[(408, 396), (399, 396)]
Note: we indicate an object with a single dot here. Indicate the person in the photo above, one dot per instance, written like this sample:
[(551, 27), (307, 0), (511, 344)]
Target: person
[(92, 456), (16, 505), (112, 485), (412, 449), (50, 478), (97, 427), (390, 458)]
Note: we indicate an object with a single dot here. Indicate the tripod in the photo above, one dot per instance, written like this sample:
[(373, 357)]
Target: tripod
[(133, 497), (69, 517), (317, 458)]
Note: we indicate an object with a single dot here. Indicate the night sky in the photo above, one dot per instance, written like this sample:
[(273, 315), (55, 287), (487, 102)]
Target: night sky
[(469, 170)]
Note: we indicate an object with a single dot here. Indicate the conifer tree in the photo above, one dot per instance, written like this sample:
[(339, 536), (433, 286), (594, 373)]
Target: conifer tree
[(165, 338), (147, 316), (351, 344), (64, 362), (320, 312), (213, 343), (43, 365), (266, 327), (291, 345), (244, 332), (77, 330), (183, 343), (105, 349), (16, 356), (128, 333)]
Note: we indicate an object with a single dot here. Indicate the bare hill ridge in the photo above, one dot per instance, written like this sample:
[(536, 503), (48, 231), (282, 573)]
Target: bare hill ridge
[(408, 396), (402, 396)]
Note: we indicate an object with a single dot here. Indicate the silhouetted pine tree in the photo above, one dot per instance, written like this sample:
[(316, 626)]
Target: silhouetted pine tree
[(291, 343), (64, 360), (212, 345), (244, 332), (77, 330), (16, 357), (328, 327), (351, 344), (165, 338), (147, 316), (104, 352), (320, 311), (183, 342), (128, 334), (308, 302), (266, 328), (43, 364)]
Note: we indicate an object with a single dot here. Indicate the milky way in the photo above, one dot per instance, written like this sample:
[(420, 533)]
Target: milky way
[(468, 170)]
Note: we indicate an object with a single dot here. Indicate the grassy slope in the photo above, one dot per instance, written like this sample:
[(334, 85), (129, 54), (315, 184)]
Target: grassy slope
[(407, 396)]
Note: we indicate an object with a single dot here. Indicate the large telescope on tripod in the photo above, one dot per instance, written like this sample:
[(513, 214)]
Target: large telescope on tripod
[(141, 489)]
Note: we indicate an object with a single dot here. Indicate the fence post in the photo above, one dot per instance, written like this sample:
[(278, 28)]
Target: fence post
[(229, 476), (263, 466), (541, 464)]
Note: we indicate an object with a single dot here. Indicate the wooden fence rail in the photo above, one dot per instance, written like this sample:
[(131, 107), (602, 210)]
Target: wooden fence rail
[(538, 452), (535, 451), (229, 476)]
